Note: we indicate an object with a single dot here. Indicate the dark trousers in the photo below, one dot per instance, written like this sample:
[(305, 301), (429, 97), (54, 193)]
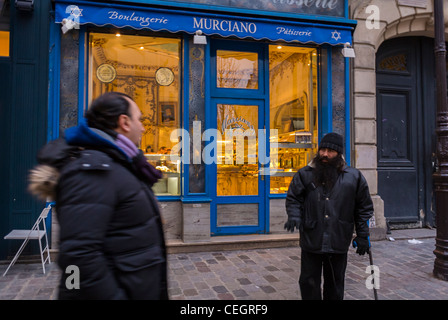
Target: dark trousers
[(333, 265)]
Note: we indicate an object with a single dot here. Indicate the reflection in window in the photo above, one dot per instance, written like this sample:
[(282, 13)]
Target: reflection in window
[(4, 43), (4, 28), (237, 158), (148, 70), (237, 70), (293, 110)]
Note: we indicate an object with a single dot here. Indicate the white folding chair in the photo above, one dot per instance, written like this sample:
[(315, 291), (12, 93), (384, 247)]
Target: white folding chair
[(35, 233)]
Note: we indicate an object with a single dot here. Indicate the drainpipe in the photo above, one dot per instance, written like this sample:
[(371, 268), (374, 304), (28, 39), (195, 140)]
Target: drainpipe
[(441, 175)]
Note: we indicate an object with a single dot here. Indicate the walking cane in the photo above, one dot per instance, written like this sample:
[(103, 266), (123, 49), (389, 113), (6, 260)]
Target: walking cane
[(375, 293), (372, 271)]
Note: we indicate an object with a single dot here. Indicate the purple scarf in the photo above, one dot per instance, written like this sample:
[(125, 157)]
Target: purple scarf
[(143, 167)]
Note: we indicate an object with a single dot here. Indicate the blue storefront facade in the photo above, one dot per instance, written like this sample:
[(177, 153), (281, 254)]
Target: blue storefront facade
[(235, 96)]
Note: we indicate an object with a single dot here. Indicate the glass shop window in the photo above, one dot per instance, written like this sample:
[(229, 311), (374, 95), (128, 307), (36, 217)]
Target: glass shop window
[(148, 70), (4, 28), (293, 111), (237, 174), (237, 70)]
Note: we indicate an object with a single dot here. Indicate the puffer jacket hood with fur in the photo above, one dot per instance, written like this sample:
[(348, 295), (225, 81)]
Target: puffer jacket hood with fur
[(43, 178)]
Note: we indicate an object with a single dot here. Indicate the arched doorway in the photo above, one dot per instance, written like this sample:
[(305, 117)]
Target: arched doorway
[(405, 96)]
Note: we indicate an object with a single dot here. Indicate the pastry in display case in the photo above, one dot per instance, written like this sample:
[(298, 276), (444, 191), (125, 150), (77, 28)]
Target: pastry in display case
[(237, 180), (169, 184), (295, 151)]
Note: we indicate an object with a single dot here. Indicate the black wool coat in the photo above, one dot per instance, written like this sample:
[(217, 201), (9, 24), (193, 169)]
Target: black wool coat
[(328, 221)]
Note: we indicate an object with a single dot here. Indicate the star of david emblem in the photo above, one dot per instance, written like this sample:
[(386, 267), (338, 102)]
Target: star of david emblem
[(336, 35), (76, 12)]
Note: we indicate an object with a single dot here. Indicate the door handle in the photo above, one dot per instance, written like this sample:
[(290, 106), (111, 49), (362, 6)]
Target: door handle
[(434, 163)]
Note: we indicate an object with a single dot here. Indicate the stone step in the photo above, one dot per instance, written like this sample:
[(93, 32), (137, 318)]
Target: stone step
[(237, 242)]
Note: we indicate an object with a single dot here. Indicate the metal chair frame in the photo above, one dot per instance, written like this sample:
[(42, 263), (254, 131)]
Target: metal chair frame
[(35, 233)]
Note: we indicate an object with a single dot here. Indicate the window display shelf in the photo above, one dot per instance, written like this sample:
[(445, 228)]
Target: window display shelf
[(153, 157), (279, 173), (291, 145), (169, 184)]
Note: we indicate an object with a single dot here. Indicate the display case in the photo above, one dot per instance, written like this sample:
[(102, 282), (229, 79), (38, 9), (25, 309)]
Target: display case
[(237, 180), (169, 184), (294, 151)]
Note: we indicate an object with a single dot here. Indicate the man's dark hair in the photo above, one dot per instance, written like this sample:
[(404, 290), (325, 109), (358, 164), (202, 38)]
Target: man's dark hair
[(104, 111)]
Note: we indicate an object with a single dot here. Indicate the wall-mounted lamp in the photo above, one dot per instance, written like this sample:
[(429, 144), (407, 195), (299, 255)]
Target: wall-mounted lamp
[(199, 38), (348, 51), (68, 24), (25, 5)]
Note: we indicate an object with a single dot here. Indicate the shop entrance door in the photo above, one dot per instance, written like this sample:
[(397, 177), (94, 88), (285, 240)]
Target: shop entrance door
[(239, 197), (237, 113)]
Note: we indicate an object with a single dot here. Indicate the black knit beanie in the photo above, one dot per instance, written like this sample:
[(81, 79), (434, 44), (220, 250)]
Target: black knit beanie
[(333, 141)]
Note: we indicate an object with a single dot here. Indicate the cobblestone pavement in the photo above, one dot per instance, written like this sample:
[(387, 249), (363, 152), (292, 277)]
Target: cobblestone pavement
[(264, 274)]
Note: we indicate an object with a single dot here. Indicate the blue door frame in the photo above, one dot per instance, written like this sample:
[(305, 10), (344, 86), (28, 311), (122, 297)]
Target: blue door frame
[(259, 97), (259, 199)]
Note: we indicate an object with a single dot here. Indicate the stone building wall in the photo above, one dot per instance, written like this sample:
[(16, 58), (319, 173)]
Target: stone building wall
[(395, 20)]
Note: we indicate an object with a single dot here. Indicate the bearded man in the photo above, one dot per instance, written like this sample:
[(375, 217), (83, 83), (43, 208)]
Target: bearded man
[(327, 201)]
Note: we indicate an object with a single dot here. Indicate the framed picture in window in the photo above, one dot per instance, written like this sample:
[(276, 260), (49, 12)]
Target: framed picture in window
[(168, 111)]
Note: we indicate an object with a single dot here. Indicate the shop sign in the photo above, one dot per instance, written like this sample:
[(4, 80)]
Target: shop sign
[(156, 20)]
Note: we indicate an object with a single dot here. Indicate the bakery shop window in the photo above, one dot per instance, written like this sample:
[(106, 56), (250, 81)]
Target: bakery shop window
[(237, 70), (293, 111), (146, 68), (4, 28)]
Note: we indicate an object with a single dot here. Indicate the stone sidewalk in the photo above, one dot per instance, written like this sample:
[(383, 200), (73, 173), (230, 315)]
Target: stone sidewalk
[(267, 274)]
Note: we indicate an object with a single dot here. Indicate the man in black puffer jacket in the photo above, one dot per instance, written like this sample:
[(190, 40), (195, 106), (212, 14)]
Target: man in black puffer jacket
[(110, 224), (327, 201)]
